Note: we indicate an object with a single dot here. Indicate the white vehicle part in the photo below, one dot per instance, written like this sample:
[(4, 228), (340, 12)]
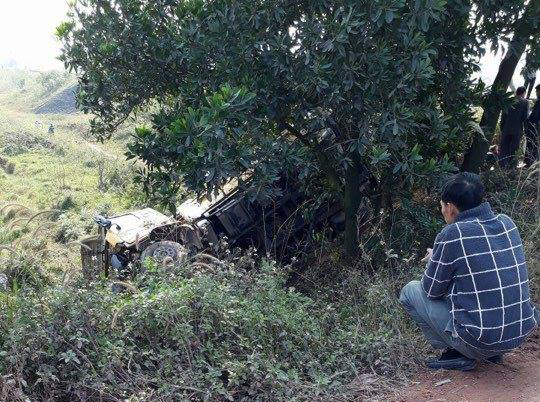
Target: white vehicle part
[(135, 226)]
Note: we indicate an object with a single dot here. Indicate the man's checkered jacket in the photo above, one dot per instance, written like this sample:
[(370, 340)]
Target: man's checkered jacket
[(479, 264)]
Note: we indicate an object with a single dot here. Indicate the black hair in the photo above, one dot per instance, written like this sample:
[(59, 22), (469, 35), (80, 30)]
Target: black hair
[(465, 190), (538, 86), (520, 91)]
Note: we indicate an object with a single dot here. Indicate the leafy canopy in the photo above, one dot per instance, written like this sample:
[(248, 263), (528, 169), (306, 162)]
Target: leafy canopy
[(262, 85)]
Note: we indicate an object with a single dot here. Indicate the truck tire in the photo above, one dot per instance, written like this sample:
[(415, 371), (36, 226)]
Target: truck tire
[(161, 250)]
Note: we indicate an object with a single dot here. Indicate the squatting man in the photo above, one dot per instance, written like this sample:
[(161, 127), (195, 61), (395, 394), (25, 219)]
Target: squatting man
[(473, 301)]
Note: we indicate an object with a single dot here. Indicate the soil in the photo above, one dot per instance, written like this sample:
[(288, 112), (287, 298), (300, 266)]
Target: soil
[(62, 102), (101, 151), (516, 379)]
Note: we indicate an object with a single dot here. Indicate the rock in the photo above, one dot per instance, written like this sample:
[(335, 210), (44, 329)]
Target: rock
[(443, 382)]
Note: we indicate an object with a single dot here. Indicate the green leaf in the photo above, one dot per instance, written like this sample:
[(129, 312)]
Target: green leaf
[(376, 13)]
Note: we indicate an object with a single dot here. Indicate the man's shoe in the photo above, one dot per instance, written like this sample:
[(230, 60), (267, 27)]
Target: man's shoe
[(451, 359), (496, 359)]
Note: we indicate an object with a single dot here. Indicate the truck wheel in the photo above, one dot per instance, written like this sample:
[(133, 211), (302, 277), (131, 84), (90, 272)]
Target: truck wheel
[(161, 250)]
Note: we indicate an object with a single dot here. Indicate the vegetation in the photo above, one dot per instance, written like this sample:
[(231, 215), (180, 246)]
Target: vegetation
[(523, 22), (344, 94), (368, 102), (219, 335), (212, 330), (235, 328), (358, 97), (50, 183)]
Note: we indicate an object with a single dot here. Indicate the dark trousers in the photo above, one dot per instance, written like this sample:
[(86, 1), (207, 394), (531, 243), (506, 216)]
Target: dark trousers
[(508, 148), (529, 85), (532, 153)]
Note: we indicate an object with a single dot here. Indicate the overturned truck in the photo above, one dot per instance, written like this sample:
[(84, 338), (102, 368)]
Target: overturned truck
[(277, 227)]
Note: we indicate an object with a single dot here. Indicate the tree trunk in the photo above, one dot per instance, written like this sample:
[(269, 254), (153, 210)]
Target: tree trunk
[(524, 27), (351, 204)]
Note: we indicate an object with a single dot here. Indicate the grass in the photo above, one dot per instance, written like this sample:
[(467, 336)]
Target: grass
[(59, 171)]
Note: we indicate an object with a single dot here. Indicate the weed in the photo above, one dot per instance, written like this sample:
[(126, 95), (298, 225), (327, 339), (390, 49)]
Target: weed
[(23, 267), (221, 336), (9, 167), (66, 203), (19, 143), (113, 176), (68, 230)]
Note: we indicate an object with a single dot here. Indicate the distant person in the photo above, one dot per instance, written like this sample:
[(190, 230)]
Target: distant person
[(474, 299), (512, 123), (532, 132), (51, 129)]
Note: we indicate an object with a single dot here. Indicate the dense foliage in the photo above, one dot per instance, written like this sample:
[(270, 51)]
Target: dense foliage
[(344, 93), (222, 334), (215, 331)]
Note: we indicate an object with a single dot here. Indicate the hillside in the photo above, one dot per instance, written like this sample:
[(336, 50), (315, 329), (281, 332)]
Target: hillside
[(65, 172), (37, 91), (61, 102)]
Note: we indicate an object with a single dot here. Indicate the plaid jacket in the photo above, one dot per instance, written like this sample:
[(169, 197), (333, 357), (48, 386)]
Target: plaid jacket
[(479, 264)]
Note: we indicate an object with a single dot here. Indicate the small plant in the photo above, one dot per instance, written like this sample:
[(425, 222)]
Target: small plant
[(207, 331), (66, 203), (23, 266), (113, 176), (22, 142), (68, 231), (9, 167)]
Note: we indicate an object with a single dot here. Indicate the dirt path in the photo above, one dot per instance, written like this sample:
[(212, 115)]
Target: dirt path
[(101, 151), (517, 379)]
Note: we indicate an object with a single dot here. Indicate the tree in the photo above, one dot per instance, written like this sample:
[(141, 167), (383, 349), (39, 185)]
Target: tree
[(532, 65), (51, 80), (342, 92), (525, 32)]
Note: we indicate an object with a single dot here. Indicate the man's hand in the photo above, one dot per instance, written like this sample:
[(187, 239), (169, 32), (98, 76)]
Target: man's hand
[(428, 255)]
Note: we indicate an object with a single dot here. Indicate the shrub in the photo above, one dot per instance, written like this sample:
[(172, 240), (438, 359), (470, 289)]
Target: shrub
[(68, 230), (23, 266), (90, 163), (222, 335), (66, 203), (9, 167), (114, 176), (517, 194), (19, 143)]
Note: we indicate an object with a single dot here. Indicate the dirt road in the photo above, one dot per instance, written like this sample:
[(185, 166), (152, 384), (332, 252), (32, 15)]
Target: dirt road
[(101, 151), (517, 379)]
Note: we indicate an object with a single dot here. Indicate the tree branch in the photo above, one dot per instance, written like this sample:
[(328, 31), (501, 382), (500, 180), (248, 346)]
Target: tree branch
[(327, 164)]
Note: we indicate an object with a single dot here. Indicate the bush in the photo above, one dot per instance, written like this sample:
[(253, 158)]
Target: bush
[(215, 331), (23, 266), (517, 194), (187, 336), (76, 225), (9, 167), (65, 204), (20, 143), (114, 176), (69, 230)]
